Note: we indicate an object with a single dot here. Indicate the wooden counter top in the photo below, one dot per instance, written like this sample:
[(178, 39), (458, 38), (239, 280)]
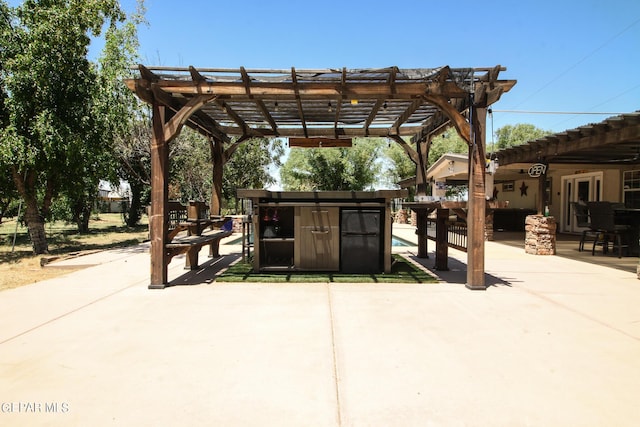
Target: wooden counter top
[(445, 204), (321, 195)]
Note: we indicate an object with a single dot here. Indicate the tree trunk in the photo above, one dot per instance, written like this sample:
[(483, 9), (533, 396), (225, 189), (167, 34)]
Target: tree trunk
[(135, 211), (33, 216), (3, 209), (82, 221), (81, 216), (35, 224)]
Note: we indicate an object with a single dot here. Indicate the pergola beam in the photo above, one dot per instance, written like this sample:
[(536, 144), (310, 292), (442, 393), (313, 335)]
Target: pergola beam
[(174, 125), (226, 109), (402, 90), (456, 118), (405, 116), (296, 91), (343, 82), (261, 106), (198, 121)]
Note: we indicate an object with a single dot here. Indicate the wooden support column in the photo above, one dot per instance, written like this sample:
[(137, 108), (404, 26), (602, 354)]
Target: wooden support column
[(474, 133), (387, 238), (158, 226), (421, 231), (477, 202), (165, 128), (442, 237), (421, 168), (217, 156)]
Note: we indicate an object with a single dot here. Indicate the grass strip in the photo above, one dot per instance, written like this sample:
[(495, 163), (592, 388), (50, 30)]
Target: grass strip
[(402, 271)]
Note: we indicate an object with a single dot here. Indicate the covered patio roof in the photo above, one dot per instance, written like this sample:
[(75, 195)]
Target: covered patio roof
[(325, 103), (615, 140)]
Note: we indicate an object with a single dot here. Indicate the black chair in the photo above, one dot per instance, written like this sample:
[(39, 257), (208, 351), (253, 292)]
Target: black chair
[(602, 217), (581, 213)]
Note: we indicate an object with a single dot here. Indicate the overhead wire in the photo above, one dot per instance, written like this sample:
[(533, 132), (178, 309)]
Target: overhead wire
[(559, 112), (562, 74)]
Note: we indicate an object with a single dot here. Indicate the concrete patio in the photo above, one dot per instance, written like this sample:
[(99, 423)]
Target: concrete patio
[(553, 341)]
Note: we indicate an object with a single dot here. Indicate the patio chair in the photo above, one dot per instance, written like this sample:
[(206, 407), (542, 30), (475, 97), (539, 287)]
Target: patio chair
[(581, 213), (602, 217)]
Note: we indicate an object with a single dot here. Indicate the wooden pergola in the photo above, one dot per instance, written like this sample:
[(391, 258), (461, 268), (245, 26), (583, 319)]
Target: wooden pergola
[(318, 108)]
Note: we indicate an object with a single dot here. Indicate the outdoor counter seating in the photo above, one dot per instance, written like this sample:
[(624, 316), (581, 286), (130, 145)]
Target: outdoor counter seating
[(190, 228), (442, 208)]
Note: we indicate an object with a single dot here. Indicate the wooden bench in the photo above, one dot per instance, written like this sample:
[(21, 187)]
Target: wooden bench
[(201, 230), (191, 245)]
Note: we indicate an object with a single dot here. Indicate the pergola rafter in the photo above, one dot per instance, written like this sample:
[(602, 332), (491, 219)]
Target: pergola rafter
[(230, 106)]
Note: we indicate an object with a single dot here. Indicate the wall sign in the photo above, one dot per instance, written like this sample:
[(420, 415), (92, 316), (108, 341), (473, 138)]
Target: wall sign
[(537, 170)]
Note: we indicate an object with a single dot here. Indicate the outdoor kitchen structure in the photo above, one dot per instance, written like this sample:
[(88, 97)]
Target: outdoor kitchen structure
[(345, 231), (317, 108)]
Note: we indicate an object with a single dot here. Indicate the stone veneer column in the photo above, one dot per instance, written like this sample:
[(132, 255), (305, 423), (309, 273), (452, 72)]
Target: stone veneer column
[(401, 217), (540, 238), (488, 227)]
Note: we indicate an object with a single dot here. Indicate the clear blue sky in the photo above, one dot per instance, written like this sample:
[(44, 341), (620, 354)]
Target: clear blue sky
[(567, 55)]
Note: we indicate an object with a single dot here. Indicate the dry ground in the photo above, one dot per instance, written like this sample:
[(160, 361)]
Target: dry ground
[(20, 267)]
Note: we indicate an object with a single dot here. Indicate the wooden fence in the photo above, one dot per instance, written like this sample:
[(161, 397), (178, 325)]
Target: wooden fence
[(456, 233)]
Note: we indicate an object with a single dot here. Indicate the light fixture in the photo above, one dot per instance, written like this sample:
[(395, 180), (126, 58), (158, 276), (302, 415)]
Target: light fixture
[(275, 106), (354, 102), (224, 108), (384, 106), (329, 108)]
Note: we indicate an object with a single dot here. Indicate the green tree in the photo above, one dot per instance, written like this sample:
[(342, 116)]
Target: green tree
[(356, 168), (8, 194), (250, 167), (52, 132), (134, 166), (507, 136), (190, 162), (521, 133), (400, 166), (124, 117), (448, 142)]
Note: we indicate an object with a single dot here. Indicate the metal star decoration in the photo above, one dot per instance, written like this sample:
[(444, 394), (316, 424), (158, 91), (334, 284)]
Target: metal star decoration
[(523, 189)]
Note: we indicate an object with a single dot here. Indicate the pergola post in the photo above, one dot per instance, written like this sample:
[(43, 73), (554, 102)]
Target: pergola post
[(421, 168), (477, 201), (158, 225), (165, 128), (422, 149), (217, 157), (472, 131)]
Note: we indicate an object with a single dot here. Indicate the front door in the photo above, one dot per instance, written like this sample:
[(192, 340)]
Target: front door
[(579, 188)]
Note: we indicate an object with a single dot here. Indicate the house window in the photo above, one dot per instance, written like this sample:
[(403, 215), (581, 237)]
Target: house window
[(632, 189)]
